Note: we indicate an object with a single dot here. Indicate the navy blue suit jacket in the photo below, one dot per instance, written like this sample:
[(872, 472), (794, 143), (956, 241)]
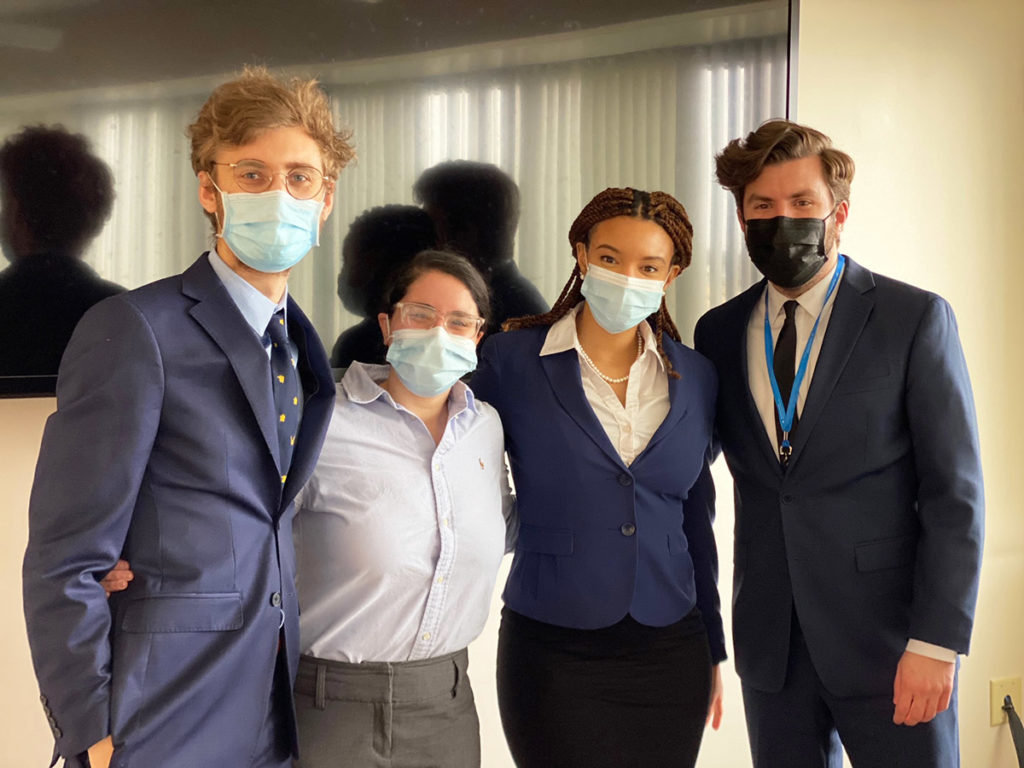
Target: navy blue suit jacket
[(599, 540), (163, 450), (873, 532)]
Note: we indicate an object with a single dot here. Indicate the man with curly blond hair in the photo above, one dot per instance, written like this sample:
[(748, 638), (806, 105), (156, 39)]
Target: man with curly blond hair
[(189, 413)]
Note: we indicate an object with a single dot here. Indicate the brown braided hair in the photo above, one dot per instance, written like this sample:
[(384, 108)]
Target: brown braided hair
[(659, 207)]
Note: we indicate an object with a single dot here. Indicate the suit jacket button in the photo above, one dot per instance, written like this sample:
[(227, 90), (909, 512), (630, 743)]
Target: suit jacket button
[(787, 498), (275, 599), (628, 529), (625, 480)]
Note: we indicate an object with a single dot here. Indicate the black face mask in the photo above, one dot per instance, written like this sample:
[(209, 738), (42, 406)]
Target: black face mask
[(789, 252)]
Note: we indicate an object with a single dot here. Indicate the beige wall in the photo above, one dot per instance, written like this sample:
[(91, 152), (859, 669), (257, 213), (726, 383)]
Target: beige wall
[(24, 734), (929, 99)]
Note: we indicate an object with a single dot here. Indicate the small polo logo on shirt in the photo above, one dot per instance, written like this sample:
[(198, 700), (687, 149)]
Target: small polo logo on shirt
[(481, 463)]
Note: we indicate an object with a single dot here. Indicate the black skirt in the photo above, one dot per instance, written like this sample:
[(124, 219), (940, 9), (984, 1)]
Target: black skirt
[(626, 695)]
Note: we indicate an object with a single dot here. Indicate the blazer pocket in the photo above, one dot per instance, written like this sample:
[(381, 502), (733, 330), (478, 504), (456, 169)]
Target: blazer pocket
[(879, 555), (545, 541), (197, 612), (677, 543), (867, 379)]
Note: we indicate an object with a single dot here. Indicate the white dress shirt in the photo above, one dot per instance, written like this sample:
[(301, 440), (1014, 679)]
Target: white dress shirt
[(398, 540), (629, 427), (810, 302)]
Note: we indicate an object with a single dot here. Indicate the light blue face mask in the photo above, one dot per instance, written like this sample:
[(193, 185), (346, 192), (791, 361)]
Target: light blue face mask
[(270, 231), (617, 302), (429, 361)]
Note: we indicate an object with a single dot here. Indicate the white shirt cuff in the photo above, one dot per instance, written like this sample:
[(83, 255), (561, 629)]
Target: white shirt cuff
[(931, 651)]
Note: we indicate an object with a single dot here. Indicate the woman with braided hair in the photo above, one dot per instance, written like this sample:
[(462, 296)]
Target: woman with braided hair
[(611, 633)]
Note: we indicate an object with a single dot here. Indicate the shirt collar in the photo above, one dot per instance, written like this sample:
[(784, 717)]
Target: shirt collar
[(256, 308), (811, 300), (562, 336), (361, 384)]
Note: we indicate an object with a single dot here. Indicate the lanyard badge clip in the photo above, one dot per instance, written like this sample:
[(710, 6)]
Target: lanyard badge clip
[(785, 450)]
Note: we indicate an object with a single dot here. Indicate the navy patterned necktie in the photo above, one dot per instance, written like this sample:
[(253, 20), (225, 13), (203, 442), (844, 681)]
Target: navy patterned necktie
[(286, 389), (785, 362)]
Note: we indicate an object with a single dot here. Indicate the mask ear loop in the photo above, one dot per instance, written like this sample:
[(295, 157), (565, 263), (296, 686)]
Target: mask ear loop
[(216, 213)]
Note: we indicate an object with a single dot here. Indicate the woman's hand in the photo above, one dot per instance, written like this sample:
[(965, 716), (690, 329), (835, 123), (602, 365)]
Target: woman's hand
[(117, 579), (715, 705)]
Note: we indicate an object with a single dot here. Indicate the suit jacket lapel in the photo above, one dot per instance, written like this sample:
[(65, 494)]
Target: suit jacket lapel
[(217, 314), (850, 312), (679, 391), (318, 388), (751, 301), (563, 372)]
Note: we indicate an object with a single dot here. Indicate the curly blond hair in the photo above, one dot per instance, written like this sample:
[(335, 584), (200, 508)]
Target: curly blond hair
[(238, 111)]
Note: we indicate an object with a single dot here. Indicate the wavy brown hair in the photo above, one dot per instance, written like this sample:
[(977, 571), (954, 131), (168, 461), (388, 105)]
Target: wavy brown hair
[(778, 141), (659, 207)]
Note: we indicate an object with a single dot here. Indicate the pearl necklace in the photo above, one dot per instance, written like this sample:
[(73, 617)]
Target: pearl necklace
[(609, 379)]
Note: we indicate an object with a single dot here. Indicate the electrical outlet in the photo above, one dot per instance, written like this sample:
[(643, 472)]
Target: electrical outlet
[(999, 690)]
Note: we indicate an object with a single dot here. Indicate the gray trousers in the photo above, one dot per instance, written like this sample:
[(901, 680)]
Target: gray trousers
[(413, 714)]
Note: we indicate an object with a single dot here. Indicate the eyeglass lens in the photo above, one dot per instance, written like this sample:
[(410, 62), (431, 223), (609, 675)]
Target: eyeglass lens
[(302, 183), (425, 316)]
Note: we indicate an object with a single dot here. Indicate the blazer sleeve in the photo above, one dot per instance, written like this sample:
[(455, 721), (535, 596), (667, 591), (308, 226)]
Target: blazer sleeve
[(950, 497), (698, 518), (94, 453), (486, 381)]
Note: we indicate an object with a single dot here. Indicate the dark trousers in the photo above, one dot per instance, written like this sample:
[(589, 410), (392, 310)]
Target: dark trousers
[(622, 696), (413, 714), (804, 726)]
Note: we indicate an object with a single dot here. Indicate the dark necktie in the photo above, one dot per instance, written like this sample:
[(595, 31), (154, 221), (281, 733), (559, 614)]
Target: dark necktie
[(785, 362), (286, 390)]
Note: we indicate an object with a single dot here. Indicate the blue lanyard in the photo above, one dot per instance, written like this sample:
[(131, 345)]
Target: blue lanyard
[(787, 412)]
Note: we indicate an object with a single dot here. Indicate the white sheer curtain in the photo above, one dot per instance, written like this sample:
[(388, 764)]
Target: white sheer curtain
[(563, 130)]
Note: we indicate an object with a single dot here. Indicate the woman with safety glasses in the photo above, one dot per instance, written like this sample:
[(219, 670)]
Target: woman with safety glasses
[(610, 635), (399, 535)]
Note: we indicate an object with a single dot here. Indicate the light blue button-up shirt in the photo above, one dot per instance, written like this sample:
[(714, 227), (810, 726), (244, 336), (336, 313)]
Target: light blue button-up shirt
[(256, 308), (398, 540)]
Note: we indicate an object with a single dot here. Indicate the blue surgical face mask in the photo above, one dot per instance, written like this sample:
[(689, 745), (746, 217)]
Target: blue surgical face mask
[(617, 302), (429, 361), (270, 231)]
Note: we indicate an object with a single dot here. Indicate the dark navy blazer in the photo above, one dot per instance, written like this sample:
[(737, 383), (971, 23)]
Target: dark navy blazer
[(873, 533), (163, 449), (599, 540)]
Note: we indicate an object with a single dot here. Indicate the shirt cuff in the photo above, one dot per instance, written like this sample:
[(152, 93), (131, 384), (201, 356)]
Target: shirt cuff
[(922, 648)]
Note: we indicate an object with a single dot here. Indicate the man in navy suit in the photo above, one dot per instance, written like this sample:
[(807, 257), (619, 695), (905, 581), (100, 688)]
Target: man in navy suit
[(846, 417), (175, 445)]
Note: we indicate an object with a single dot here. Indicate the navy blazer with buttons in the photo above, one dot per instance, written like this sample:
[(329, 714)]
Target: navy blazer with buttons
[(164, 450), (599, 540), (873, 532)]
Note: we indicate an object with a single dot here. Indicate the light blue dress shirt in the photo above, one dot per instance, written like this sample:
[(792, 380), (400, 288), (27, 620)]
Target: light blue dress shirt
[(256, 308), (398, 540)]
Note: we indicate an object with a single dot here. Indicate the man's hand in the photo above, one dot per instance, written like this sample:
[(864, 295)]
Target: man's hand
[(715, 706), (117, 579), (101, 752), (922, 688)]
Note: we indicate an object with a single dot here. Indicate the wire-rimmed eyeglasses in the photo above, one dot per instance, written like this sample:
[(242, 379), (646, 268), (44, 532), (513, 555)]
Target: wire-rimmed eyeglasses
[(302, 182)]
